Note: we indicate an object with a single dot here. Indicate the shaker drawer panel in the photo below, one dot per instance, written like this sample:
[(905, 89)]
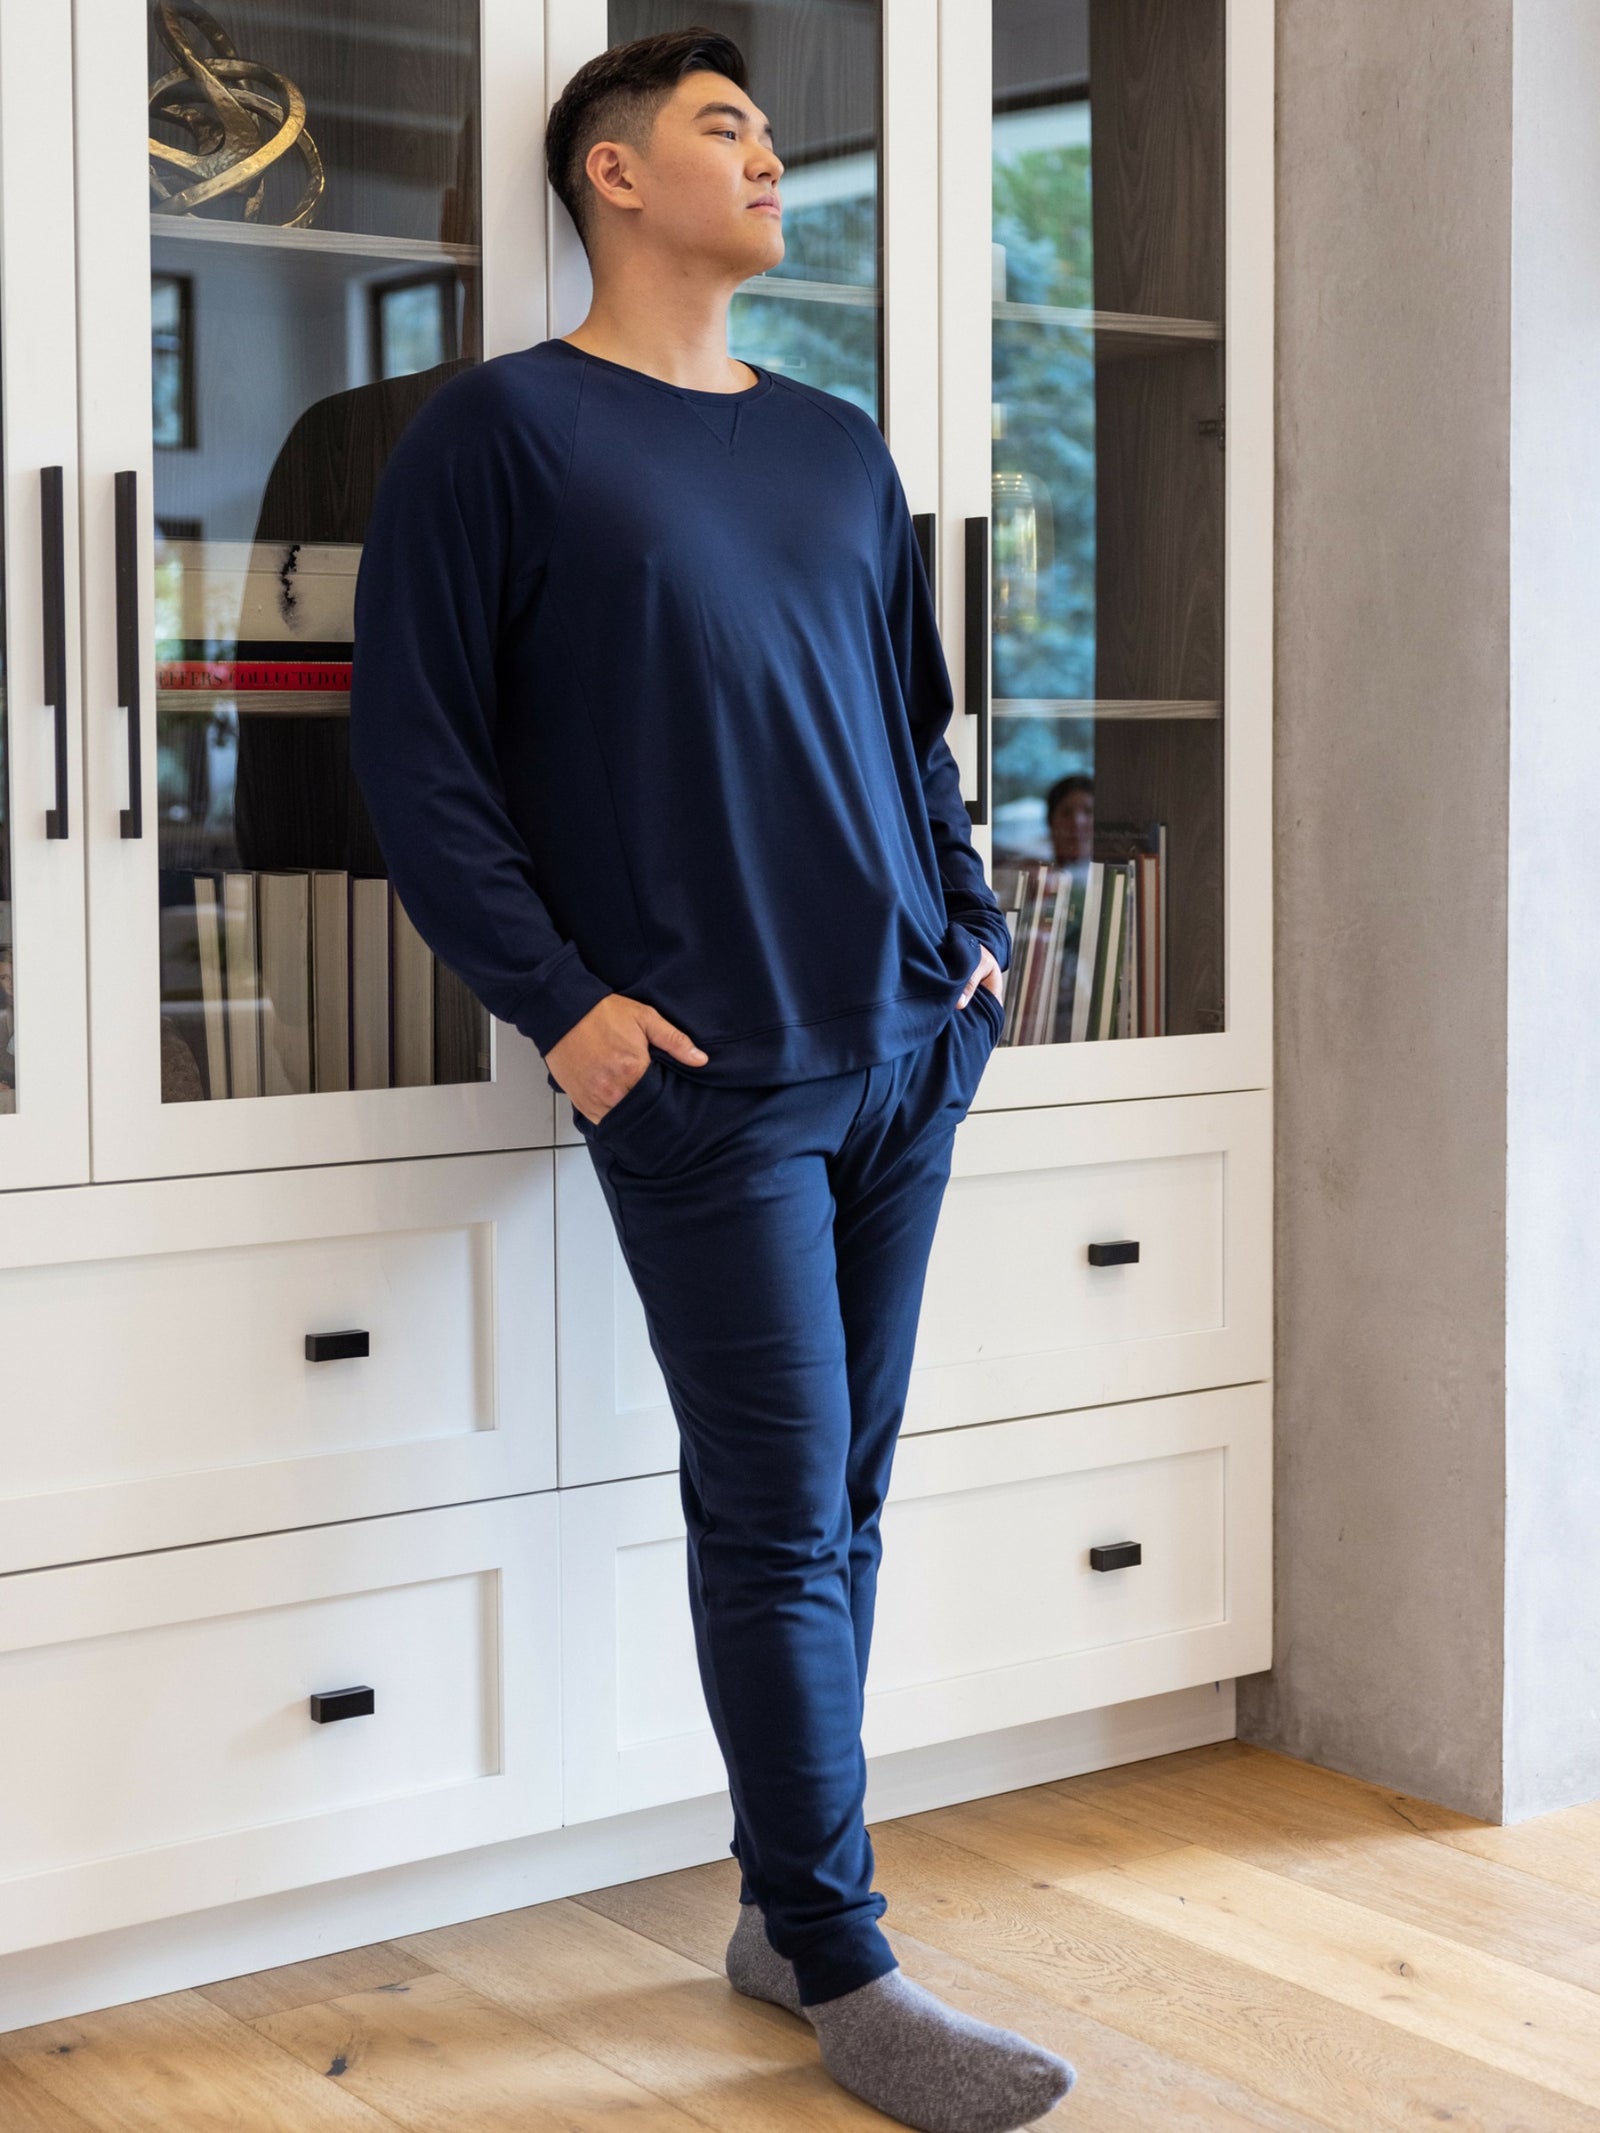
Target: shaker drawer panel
[(1048, 1597), (1016, 1319), (615, 1417), (1064, 1561), (990, 1609), (1172, 1198), (272, 1350), (190, 1675)]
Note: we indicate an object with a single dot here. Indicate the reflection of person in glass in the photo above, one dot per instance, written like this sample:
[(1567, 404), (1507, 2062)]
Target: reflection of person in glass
[(1069, 811), (648, 708)]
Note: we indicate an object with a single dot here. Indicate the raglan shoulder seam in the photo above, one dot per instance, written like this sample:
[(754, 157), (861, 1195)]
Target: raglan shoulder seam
[(572, 456), (503, 402), (818, 399)]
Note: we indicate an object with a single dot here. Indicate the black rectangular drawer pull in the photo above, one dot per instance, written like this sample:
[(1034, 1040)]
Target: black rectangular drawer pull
[(1119, 1555), (332, 1704), (333, 1347), (1124, 1252)]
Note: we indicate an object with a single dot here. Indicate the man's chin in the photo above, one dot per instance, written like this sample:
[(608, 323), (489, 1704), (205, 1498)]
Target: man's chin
[(772, 250)]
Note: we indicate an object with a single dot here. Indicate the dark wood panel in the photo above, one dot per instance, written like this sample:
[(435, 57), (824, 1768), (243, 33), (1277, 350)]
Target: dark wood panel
[(1170, 770), (1156, 78), (1158, 525)]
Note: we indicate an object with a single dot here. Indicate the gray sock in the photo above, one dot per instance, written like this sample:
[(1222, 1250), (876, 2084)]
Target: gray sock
[(755, 1966), (899, 2048)]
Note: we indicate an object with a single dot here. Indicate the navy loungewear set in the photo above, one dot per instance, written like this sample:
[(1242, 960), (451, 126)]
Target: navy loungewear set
[(648, 698)]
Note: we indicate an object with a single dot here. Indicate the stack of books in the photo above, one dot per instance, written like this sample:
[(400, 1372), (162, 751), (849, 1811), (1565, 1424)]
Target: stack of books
[(315, 979), (1088, 940)]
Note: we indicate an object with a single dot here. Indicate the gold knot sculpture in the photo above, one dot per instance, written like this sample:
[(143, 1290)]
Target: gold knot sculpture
[(241, 116)]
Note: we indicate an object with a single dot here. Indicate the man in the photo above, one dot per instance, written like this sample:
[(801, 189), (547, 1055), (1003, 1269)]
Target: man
[(648, 710)]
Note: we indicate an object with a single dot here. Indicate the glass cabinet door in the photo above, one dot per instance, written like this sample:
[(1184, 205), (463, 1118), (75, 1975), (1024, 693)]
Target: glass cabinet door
[(852, 307), (841, 84), (1123, 728), (43, 1035), (283, 215), (818, 74)]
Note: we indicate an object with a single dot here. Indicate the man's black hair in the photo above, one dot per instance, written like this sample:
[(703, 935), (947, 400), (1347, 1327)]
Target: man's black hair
[(1063, 788), (615, 97)]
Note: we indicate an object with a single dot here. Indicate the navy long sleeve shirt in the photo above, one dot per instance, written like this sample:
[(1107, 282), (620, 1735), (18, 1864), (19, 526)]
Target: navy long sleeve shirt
[(648, 698)]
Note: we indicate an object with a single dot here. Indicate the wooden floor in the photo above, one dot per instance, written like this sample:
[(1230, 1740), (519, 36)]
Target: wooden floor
[(1218, 1938)]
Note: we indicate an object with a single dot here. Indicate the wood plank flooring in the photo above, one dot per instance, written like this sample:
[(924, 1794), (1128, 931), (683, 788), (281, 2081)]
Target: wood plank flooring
[(1221, 1938)]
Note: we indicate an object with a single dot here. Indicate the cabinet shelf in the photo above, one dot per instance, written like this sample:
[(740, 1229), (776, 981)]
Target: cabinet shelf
[(340, 244), (254, 703), (1116, 332), (793, 289), (1105, 707)]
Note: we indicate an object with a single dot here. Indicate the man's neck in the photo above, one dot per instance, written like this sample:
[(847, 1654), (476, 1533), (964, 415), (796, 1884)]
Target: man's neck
[(679, 342)]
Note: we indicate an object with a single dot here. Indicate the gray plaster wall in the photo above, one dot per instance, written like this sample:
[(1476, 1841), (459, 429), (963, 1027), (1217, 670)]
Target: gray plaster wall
[(1391, 765), (1552, 1613)]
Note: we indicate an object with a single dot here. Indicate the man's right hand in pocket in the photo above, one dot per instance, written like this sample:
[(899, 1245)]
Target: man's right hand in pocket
[(601, 1057)]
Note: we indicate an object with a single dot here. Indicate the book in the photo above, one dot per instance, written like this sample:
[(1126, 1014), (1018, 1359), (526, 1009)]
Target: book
[(1108, 949), (1145, 844), (1089, 963), (241, 982), (283, 914), (369, 981), (208, 929), (410, 1001), (460, 1028), (330, 978)]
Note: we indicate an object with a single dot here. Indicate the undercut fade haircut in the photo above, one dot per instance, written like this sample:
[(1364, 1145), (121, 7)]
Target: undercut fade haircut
[(615, 97)]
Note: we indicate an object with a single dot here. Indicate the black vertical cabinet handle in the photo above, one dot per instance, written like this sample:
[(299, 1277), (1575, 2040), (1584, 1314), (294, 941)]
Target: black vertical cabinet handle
[(1119, 1555), (53, 586), (977, 653), (1124, 1252), (925, 525), (127, 589)]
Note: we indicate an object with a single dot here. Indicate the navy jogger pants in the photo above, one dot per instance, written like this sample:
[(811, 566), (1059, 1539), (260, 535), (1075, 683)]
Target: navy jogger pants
[(778, 1237)]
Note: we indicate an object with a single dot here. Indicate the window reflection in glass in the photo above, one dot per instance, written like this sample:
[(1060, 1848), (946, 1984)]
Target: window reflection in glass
[(1106, 515), (817, 73), (313, 280)]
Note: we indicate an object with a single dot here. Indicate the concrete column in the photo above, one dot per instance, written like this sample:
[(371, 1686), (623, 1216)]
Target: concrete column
[(1435, 785)]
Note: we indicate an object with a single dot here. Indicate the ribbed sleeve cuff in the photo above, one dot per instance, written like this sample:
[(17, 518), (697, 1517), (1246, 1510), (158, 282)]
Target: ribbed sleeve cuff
[(988, 926), (564, 993)]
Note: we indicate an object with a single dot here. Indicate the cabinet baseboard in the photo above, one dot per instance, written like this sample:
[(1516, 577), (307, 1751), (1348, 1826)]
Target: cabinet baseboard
[(135, 1962)]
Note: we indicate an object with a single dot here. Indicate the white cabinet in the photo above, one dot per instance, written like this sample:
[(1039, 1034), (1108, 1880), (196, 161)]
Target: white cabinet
[(321, 1367), (234, 938), (1050, 1564), (175, 1758), (44, 1064), (236, 1354), (1085, 1252)]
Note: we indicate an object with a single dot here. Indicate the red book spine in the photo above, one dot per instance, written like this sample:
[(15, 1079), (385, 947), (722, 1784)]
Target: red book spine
[(287, 674)]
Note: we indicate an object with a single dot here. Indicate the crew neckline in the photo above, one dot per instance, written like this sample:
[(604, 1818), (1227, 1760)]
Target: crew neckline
[(684, 392)]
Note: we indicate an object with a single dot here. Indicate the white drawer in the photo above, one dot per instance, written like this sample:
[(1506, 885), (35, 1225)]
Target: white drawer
[(990, 1609), (160, 1753), (1015, 1319), (158, 1388), (994, 1610)]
